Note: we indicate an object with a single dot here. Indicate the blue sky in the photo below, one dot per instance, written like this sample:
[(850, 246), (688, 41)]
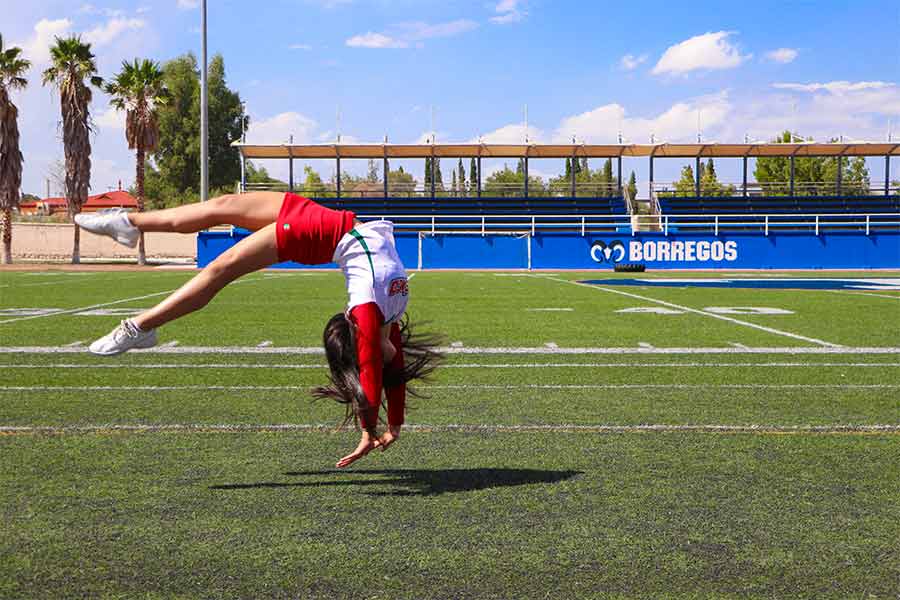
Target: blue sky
[(584, 68)]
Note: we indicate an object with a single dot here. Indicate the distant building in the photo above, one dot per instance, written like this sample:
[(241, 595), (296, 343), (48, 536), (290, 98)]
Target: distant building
[(49, 206)]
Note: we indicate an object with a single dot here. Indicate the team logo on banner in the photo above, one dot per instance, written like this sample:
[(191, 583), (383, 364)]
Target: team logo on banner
[(667, 250), (614, 252)]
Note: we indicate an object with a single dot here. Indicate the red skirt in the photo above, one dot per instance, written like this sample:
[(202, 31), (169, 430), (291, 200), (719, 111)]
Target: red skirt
[(307, 232)]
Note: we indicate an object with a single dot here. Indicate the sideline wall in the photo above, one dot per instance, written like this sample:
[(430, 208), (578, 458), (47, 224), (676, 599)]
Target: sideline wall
[(833, 250), (54, 241)]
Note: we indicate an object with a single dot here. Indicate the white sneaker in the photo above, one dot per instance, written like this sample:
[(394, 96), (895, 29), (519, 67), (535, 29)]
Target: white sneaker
[(112, 222), (122, 339)]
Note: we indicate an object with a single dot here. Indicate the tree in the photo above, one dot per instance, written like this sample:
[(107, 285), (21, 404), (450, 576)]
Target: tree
[(507, 182), (138, 89), (453, 191), (632, 187), (312, 183), (372, 171), (473, 176), (607, 177), (72, 62), (12, 71), (817, 175), (428, 173), (177, 158), (254, 174), (401, 183), (686, 185), (438, 177), (462, 178)]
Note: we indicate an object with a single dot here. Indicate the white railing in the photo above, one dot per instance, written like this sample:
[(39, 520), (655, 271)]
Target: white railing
[(715, 224), (731, 189)]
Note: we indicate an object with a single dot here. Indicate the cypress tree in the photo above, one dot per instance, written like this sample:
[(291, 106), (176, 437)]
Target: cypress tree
[(438, 177), (462, 178), (607, 171), (473, 175), (427, 172), (568, 168)]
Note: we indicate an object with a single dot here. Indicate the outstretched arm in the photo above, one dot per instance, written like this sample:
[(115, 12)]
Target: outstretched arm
[(368, 320)]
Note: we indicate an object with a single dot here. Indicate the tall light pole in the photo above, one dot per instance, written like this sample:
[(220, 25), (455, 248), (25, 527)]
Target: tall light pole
[(204, 116)]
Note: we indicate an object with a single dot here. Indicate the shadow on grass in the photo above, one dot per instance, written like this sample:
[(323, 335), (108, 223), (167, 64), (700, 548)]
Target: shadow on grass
[(416, 482)]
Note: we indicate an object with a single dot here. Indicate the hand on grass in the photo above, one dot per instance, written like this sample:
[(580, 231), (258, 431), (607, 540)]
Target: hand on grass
[(366, 443), (388, 437)]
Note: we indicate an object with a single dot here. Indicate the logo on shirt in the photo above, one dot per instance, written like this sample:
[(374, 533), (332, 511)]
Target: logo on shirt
[(398, 286)]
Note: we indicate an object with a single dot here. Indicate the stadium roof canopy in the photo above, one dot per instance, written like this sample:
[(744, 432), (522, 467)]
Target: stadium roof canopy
[(711, 150)]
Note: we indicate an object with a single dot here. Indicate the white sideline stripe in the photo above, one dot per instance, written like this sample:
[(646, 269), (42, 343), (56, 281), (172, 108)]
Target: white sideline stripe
[(449, 366), (845, 292), (512, 350), (114, 302), (700, 312), (461, 386), (562, 428)]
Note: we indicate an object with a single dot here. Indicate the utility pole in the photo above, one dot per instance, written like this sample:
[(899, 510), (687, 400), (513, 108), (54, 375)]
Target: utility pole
[(204, 111)]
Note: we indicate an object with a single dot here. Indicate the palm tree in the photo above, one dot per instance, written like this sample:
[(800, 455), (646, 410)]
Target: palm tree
[(138, 89), (12, 69), (71, 63)]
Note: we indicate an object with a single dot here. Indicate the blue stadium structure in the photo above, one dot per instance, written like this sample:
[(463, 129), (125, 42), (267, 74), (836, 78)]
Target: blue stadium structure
[(789, 224)]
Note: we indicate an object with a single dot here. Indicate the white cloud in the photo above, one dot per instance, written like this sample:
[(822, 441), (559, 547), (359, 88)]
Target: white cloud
[(677, 124), (508, 11), (630, 62), (375, 40), (37, 47), (511, 134), (104, 34), (782, 55), (702, 52), (834, 87), (277, 129), (188, 4), (300, 47), (418, 30), (111, 119), (402, 35)]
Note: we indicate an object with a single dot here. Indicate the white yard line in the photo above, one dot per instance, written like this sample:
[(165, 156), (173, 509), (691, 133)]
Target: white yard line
[(851, 292), (462, 386), (114, 302), (460, 428), (487, 350), (577, 365), (67, 281), (699, 312)]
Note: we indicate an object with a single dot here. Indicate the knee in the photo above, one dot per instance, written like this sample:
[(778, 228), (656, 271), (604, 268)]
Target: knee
[(222, 203), (223, 268)]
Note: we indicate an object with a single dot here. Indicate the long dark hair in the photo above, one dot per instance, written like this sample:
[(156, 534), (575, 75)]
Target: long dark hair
[(420, 359)]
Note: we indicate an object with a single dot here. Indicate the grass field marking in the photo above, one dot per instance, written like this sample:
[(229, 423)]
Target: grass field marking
[(67, 281), (851, 292), (460, 386), (455, 428), (556, 365), (485, 350), (701, 312), (114, 302)]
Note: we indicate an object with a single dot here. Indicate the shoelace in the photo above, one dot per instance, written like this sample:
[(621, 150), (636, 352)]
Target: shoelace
[(126, 329)]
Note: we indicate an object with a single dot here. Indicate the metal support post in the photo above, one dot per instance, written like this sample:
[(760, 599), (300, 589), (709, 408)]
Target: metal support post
[(651, 175), (479, 176), (387, 170), (619, 176), (432, 174), (338, 177), (887, 175), (574, 159), (526, 176), (745, 178), (243, 173)]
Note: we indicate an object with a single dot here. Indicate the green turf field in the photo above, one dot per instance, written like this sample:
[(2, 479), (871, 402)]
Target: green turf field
[(565, 449)]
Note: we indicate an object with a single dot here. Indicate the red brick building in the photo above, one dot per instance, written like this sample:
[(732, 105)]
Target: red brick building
[(49, 206)]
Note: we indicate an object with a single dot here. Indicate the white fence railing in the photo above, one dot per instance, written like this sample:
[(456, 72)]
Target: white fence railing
[(630, 224)]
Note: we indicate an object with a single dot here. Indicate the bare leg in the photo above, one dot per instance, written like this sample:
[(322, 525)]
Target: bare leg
[(253, 211), (255, 252)]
